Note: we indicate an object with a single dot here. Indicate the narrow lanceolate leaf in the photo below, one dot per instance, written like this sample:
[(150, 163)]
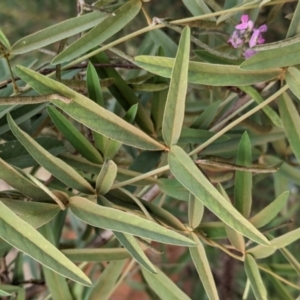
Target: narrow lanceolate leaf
[(277, 243), (133, 247), (93, 85), (243, 180), (56, 284), (292, 78), (54, 165), (57, 32), (3, 293), (101, 32), (185, 171), (275, 55), (260, 251), (235, 238), (267, 214), (106, 177), (290, 120), (22, 184), (74, 136), (174, 109), (254, 277), (106, 283), (270, 112), (208, 74), (96, 255), (4, 41), (34, 213), (202, 266), (163, 286), (294, 27), (25, 238), (195, 211), (291, 259), (89, 113), (113, 219), (286, 239), (281, 290)]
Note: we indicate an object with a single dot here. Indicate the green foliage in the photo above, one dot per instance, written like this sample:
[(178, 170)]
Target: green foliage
[(143, 156)]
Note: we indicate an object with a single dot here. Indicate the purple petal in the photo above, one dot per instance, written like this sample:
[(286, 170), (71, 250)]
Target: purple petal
[(263, 28), (260, 40), (235, 40), (249, 52), (241, 26), (254, 38), (244, 18)]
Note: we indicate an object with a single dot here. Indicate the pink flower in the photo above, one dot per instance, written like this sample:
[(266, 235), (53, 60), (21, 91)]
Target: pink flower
[(245, 33), (235, 40), (256, 37), (246, 23)]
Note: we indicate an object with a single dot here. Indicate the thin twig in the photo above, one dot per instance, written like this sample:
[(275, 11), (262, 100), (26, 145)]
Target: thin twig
[(15, 100)]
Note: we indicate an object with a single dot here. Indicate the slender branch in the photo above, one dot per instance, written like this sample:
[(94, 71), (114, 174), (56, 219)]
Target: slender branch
[(46, 71), (32, 99)]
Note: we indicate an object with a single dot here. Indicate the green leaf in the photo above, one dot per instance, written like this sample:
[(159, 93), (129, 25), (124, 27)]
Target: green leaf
[(119, 196), (25, 238), (294, 27), (174, 109), (121, 91), (96, 255), (56, 284), (235, 238), (243, 180), (106, 177), (253, 275), (291, 259), (282, 56), (4, 41), (292, 78), (203, 269), (286, 239), (101, 32), (214, 59), (22, 184), (163, 286), (15, 154), (173, 188), (3, 293), (107, 281), (185, 171), (93, 85), (163, 40), (89, 113), (57, 32), (281, 291), (113, 219), (196, 7), (34, 213), (54, 165), (74, 136), (133, 247), (207, 116), (254, 94), (261, 251), (212, 230), (290, 120), (268, 213), (195, 212), (192, 135), (207, 74), (22, 114)]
